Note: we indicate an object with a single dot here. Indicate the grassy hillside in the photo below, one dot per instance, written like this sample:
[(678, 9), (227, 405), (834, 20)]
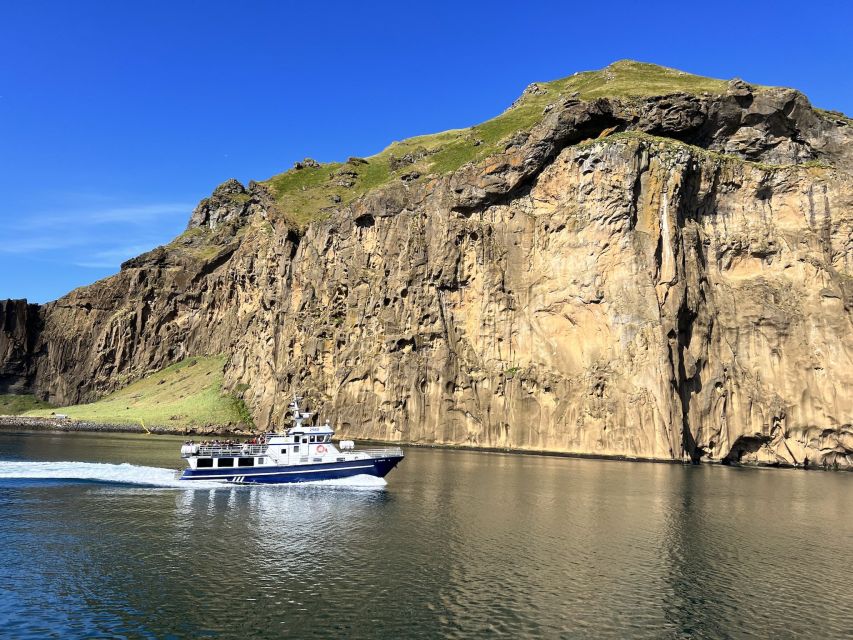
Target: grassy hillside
[(16, 405), (310, 193), (188, 393)]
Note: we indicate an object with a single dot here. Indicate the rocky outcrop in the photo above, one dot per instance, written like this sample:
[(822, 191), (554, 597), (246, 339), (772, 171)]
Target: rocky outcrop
[(229, 203), (20, 325), (666, 278)]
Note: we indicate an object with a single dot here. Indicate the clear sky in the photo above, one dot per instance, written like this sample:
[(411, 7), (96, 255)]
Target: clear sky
[(117, 117)]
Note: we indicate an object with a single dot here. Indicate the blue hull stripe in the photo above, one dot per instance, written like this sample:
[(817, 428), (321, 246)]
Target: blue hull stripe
[(268, 473), (379, 467)]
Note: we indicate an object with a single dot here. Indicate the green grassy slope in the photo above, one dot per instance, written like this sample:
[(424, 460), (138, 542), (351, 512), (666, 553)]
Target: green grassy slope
[(188, 393), (15, 405), (309, 193)]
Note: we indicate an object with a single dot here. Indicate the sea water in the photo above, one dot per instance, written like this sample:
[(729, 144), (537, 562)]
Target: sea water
[(98, 539)]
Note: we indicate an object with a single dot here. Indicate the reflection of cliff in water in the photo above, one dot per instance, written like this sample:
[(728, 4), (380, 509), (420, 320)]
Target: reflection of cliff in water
[(732, 556)]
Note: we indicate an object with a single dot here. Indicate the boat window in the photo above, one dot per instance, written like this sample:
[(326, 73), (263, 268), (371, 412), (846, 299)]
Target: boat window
[(246, 462), (262, 460), (225, 462), (304, 440), (204, 463), (311, 439), (296, 448)]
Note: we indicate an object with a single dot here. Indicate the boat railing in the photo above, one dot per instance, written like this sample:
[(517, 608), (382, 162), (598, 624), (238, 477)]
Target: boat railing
[(377, 452), (215, 450), (218, 450)]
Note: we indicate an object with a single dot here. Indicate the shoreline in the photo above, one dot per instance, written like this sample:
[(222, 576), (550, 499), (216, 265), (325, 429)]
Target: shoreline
[(26, 423), (70, 425)]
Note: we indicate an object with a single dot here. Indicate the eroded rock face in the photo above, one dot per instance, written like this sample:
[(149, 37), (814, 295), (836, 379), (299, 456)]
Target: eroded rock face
[(20, 325), (634, 300), (679, 291)]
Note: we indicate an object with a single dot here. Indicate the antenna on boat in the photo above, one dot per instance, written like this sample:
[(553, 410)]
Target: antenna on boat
[(298, 415)]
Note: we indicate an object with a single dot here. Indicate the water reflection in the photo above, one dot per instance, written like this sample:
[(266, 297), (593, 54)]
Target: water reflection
[(458, 545)]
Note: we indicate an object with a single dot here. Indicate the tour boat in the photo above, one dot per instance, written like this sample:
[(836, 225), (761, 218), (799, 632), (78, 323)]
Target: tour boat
[(301, 454)]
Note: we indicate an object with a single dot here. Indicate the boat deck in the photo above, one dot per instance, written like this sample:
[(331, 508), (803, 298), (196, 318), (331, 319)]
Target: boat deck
[(217, 451)]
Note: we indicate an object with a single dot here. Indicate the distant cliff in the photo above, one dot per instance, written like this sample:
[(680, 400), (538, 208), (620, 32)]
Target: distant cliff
[(20, 326), (633, 262)]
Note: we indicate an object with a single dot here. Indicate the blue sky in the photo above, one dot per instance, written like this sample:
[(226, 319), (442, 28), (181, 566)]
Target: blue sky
[(117, 117)]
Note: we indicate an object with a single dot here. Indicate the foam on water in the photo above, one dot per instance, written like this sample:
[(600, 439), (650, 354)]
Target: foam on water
[(92, 471), (144, 476)]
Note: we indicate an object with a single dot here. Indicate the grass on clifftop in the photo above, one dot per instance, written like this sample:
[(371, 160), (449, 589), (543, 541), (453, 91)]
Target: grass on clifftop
[(311, 193), (188, 393), (627, 78), (11, 405)]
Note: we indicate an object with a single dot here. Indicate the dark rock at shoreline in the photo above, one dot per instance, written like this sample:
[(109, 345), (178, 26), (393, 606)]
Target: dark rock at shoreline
[(60, 424)]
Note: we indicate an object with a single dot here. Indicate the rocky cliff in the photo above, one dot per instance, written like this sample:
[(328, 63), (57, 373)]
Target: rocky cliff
[(20, 325), (662, 273)]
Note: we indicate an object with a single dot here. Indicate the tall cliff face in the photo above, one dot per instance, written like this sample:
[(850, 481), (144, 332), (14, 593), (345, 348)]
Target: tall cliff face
[(658, 276), (20, 325)]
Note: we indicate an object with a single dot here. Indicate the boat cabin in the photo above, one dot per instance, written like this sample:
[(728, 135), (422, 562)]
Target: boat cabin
[(301, 441)]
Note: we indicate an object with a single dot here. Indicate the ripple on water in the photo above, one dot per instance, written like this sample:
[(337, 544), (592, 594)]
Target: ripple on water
[(457, 545)]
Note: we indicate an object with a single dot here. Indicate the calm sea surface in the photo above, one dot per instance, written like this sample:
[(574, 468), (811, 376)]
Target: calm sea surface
[(456, 545)]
